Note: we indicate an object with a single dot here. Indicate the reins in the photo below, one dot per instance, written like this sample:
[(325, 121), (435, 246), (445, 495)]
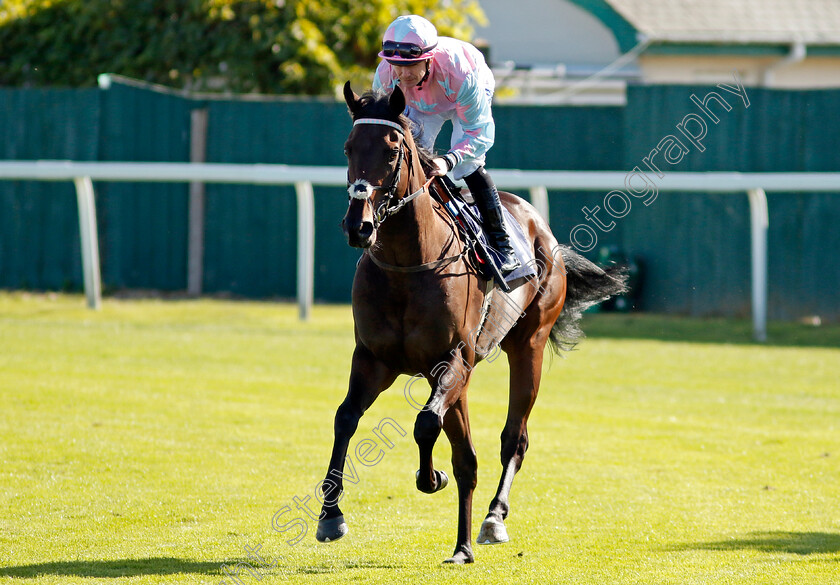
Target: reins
[(386, 209)]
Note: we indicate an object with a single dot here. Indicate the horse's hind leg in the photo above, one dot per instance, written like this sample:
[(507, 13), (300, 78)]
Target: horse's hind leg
[(368, 378), (456, 424), (525, 371)]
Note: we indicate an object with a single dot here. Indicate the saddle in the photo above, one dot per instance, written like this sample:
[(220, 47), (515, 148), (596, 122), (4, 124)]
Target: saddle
[(505, 298), (461, 207)]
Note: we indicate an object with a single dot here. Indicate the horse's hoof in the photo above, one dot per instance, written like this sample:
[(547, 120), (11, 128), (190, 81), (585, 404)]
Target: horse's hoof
[(460, 558), (330, 529), (492, 532), (442, 481)]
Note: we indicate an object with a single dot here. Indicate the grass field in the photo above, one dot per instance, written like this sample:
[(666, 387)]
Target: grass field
[(154, 441)]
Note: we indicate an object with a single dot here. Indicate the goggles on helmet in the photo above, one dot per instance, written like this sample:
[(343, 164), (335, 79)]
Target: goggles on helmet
[(404, 50)]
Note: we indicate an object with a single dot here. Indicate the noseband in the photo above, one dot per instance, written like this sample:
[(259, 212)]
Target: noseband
[(362, 189)]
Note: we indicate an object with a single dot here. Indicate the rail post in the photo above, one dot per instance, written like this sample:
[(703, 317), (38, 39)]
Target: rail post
[(759, 222), (306, 247), (90, 241)]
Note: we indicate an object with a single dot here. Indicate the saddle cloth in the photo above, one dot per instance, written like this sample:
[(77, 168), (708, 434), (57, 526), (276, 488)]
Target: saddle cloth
[(521, 245), (500, 310)]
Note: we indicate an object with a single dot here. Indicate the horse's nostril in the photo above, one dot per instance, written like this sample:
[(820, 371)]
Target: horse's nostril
[(359, 235), (366, 230)]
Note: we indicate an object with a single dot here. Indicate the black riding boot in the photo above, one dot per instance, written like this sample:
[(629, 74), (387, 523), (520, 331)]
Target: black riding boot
[(487, 198)]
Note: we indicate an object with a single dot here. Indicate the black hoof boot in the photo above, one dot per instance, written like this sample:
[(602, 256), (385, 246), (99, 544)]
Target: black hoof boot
[(331, 529), (440, 476)]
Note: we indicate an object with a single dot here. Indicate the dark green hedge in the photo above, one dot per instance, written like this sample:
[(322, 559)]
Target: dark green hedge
[(265, 46)]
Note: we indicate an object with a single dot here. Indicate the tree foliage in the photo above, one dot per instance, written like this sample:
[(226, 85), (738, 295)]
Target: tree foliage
[(265, 46)]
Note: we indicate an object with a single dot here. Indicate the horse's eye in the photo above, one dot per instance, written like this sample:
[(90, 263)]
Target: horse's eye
[(392, 154), (347, 151)]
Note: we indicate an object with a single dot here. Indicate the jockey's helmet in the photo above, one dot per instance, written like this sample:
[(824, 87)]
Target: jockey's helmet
[(409, 39)]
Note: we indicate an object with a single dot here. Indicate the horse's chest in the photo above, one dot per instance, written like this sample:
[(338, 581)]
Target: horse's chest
[(409, 335), (403, 332)]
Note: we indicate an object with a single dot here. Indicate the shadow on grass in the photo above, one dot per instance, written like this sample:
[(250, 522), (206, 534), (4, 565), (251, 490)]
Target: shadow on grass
[(711, 330), (798, 543), (169, 566), (116, 568)]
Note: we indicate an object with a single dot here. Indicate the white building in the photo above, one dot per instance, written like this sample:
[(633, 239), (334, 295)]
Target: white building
[(585, 51)]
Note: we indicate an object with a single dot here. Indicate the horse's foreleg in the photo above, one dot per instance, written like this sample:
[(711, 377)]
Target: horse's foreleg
[(456, 424), (368, 378), (448, 379), (525, 372), (427, 428)]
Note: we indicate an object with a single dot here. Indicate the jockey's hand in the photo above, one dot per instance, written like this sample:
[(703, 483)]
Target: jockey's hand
[(443, 164), (440, 167)]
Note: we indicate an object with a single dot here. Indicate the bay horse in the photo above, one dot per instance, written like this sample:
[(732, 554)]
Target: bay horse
[(417, 301)]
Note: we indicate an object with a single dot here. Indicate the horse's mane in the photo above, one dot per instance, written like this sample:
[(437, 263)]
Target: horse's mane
[(375, 105)]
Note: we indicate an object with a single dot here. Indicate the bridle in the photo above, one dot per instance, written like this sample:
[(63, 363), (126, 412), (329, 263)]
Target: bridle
[(362, 189)]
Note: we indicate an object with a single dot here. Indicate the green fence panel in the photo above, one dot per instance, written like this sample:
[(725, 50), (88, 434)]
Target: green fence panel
[(695, 248), (808, 283), (143, 226), (539, 137), (573, 138), (39, 226), (251, 235)]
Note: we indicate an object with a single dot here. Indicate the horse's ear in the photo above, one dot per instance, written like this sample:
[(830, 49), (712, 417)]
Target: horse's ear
[(351, 98), (397, 101)]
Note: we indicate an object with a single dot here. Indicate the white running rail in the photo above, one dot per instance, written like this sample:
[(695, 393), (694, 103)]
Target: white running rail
[(83, 174)]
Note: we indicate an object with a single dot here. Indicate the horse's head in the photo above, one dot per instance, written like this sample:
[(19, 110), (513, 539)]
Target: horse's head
[(379, 163)]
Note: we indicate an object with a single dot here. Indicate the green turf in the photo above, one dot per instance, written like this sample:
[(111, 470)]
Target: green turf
[(152, 441)]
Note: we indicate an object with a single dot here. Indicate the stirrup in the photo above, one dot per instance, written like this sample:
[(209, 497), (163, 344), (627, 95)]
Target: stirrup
[(509, 263)]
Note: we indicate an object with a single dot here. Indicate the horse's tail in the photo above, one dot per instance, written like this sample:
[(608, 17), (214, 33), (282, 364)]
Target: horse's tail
[(586, 285)]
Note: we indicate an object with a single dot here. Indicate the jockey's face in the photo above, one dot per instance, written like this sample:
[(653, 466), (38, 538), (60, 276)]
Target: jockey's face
[(410, 74)]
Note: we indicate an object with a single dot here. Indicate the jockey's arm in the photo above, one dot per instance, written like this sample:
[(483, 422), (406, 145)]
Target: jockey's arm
[(476, 118)]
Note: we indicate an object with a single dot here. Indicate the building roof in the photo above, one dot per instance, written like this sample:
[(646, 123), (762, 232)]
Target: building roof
[(730, 21)]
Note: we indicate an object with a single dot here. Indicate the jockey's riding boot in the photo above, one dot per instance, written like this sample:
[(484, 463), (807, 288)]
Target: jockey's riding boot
[(487, 198)]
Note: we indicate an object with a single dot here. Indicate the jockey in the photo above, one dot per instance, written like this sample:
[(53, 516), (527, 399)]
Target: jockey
[(447, 79)]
